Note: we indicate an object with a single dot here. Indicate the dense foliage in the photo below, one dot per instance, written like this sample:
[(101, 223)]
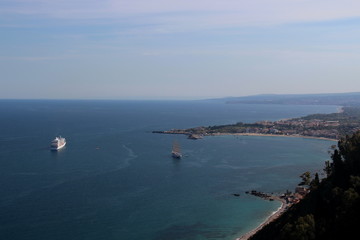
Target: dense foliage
[(332, 209)]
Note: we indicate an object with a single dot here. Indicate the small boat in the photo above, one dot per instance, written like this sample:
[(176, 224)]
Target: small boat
[(57, 143), (176, 153)]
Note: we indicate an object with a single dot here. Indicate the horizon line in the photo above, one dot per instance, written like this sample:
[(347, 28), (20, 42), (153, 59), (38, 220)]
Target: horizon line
[(174, 99)]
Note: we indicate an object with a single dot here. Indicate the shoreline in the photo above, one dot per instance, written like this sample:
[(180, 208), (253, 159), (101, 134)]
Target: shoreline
[(268, 220), (181, 132), (284, 206), (271, 135)]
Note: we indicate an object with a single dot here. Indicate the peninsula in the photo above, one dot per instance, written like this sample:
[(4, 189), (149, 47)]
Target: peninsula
[(328, 126), (329, 207)]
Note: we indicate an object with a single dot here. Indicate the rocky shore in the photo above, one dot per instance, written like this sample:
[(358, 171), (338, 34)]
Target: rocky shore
[(287, 200)]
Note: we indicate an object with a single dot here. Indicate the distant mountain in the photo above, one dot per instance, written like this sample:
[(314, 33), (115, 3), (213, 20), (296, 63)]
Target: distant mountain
[(343, 99)]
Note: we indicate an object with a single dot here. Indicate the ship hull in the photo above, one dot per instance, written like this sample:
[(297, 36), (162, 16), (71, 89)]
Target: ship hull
[(57, 144), (58, 147), (176, 155)]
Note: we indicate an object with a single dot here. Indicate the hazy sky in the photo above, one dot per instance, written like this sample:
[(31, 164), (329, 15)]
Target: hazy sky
[(178, 49)]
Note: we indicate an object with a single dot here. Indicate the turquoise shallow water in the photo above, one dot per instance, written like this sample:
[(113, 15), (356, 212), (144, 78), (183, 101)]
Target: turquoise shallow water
[(116, 180)]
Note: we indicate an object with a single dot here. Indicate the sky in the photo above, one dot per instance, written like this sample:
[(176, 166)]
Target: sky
[(177, 49)]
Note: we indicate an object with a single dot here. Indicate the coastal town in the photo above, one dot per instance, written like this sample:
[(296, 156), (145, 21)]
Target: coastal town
[(334, 126), (330, 126)]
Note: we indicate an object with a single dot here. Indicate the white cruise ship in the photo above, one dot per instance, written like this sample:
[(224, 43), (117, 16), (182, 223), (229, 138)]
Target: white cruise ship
[(58, 143)]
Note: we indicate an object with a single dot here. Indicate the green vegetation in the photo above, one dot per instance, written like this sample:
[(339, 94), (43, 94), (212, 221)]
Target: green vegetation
[(349, 119), (335, 126), (306, 178), (332, 208)]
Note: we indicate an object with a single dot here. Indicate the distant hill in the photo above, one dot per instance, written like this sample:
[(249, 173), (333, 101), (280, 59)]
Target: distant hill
[(343, 99)]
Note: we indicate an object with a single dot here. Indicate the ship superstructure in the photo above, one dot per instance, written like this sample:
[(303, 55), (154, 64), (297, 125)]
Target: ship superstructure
[(176, 152), (58, 143)]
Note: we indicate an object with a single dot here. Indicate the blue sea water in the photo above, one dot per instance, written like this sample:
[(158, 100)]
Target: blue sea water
[(116, 180)]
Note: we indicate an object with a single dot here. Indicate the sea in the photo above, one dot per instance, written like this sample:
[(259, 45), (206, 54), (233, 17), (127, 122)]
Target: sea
[(116, 180)]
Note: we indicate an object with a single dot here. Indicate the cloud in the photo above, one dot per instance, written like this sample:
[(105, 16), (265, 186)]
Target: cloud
[(188, 13), (34, 58)]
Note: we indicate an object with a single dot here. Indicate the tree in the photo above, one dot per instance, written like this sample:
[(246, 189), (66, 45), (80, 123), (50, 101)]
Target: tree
[(302, 229), (316, 181), (306, 178), (331, 210), (328, 168)]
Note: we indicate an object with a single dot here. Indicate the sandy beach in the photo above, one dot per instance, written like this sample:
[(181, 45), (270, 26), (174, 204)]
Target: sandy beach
[(284, 206), (272, 135), (271, 218)]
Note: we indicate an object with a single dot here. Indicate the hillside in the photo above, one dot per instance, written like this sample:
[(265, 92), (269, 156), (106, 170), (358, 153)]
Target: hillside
[(331, 126), (332, 209), (342, 99)]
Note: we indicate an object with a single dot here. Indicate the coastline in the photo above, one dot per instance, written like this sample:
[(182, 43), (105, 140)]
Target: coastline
[(271, 218), (271, 135), (324, 127), (284, 206), (182, 132)]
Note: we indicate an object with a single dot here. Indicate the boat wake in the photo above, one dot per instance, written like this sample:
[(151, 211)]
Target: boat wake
[(130, 156)]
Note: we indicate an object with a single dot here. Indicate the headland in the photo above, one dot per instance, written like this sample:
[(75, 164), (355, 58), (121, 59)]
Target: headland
[(316, 126), (330, 127)]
